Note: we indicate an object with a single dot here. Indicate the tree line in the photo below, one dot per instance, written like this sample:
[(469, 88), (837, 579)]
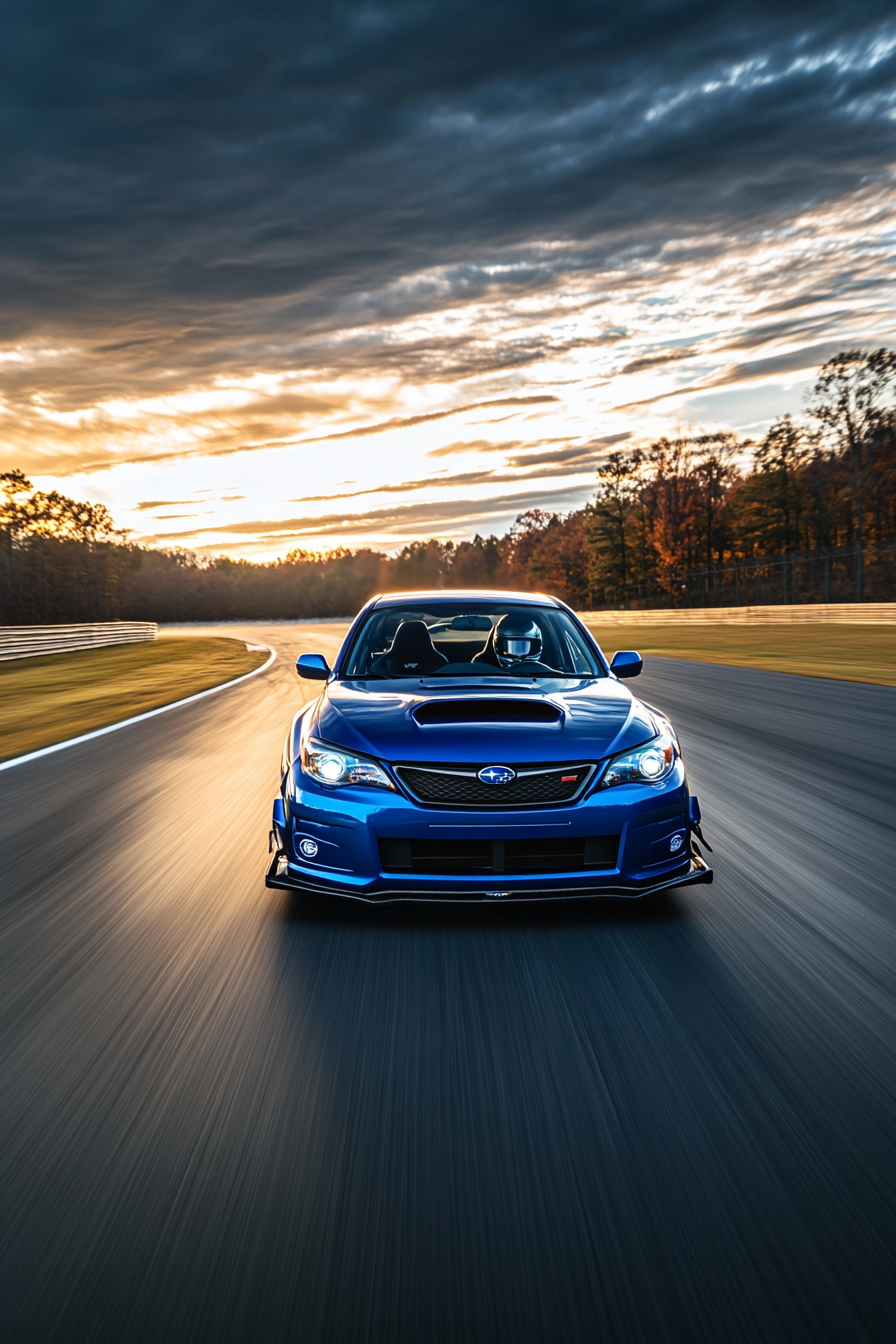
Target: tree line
[(681, 522)]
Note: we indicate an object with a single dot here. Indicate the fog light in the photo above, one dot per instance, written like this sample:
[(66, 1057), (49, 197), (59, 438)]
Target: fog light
[(676, 843), (308, 848)]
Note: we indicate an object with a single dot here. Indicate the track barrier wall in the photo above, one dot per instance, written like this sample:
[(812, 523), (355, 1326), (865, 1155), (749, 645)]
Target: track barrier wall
[(838, 613), (29, 641)]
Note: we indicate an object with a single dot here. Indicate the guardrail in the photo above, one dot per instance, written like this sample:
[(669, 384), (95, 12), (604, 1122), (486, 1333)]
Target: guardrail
[(28, 641), (839, 613)]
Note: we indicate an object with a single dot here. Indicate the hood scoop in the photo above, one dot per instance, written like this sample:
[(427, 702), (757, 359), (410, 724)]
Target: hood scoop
[(486, 711)]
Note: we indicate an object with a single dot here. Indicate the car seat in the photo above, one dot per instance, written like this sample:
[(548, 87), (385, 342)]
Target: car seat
[(412, 653)]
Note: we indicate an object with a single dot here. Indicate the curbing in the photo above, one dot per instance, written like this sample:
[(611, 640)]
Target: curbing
[(138, 718)]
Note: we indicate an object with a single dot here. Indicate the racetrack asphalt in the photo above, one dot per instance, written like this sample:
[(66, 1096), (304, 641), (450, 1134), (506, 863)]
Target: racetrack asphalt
[(233, 1116)]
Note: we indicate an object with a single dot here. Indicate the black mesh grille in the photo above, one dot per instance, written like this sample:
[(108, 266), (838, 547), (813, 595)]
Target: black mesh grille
[(458, 786), (480, 858)]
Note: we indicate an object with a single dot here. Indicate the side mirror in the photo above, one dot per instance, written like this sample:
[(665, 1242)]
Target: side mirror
[(626, 663), (314, 666)]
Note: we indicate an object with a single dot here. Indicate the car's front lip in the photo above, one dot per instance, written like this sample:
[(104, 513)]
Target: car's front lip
[(288, 877)]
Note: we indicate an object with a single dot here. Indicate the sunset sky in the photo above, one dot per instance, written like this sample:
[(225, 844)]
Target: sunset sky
[(280, 275)]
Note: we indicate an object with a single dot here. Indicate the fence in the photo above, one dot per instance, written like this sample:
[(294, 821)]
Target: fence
[(834, 575), (838, 613), (27, 641)]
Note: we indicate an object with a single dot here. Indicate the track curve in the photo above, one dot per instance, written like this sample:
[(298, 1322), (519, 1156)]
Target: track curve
[(229, 1118)]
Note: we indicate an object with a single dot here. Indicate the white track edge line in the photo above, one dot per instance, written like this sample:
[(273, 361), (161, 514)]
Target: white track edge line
[(138, 718)]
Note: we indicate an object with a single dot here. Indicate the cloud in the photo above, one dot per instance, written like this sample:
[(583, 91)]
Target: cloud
[(235, 230), (655, 360), (574, 457), (793, 361), (411, 421), (272, 168), (238, 437), (406, 487), (566, 462), (406, 517), (473, 446)]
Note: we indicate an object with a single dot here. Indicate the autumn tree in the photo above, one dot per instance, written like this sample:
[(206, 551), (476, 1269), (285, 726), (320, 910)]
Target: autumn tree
[(519, 546), (422, 564), (476, 563), (672, 505), (715, 473), (26, 512), (771, 504), (852, 402), (557, 558), (60, 558), (610, 515)]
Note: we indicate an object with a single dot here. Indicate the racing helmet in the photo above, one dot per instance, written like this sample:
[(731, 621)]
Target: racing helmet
[(517, 640)]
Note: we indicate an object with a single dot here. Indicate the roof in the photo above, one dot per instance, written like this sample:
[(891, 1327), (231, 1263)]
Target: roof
[(463, 595)]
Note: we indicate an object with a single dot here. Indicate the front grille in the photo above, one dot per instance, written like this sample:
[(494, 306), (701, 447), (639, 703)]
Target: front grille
[(482, 858), (459, 785)]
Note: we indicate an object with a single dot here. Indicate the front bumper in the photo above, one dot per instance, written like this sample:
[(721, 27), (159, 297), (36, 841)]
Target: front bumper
[(628, 842), (284, 876)]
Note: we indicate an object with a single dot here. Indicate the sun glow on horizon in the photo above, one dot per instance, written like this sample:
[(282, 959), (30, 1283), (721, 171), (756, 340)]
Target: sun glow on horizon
[(451, 415)]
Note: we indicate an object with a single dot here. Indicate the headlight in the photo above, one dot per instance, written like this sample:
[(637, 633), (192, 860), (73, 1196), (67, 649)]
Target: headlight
[(665, 727), (644, 765), (333, 766)]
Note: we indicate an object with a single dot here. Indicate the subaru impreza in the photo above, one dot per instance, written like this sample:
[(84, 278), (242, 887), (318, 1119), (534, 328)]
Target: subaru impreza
[(478, 746)]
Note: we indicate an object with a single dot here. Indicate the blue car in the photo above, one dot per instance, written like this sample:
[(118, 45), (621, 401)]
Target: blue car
[(476, 746)]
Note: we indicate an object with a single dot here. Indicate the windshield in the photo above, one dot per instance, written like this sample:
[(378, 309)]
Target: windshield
[(470, 639)]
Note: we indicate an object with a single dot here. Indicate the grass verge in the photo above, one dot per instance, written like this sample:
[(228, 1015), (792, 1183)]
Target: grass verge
[(843, 652), (50, 699)]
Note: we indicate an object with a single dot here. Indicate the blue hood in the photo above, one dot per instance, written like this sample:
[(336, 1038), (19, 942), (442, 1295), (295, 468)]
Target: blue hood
[(561, 720)]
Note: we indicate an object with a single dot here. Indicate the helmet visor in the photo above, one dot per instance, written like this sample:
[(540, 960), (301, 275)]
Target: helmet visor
[(515, 648)]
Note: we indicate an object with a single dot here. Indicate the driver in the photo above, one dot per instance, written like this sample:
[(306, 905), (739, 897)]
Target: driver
[(516, 639)]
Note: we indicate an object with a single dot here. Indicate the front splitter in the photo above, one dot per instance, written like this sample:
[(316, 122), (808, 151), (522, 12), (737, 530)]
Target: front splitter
[(279, 877)]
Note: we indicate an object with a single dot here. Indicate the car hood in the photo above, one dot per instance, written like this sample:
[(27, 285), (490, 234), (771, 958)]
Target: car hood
[(494, 723)]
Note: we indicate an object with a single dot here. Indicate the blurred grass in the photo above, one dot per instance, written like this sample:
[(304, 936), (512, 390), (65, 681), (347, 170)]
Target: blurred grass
[(49, 699), (843, 652)]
